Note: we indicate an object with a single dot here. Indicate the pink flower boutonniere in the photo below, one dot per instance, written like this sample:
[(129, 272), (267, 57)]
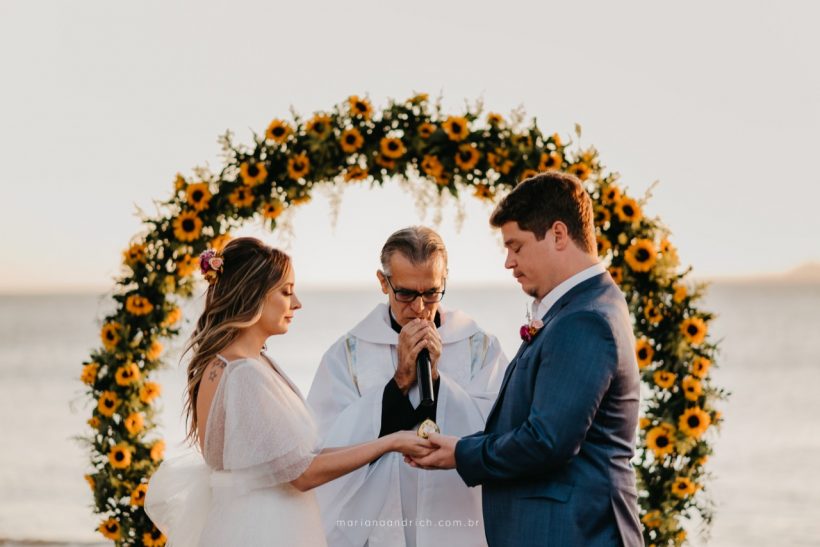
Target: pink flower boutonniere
[(529, 330)]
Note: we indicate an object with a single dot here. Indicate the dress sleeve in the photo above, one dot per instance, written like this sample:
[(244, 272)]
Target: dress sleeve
[(266, 424)]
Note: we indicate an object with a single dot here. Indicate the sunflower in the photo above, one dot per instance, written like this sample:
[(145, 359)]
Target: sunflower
[(94, 422), (652, 519), (643, 423), (418, 98), (666, 246), (680, 293), (138, 495), (628, 210), (664, 379), (499, 160), (691, 388), (683, 487), (138, 305), (187, 226), (351, 140), (158, 450), (89, 374), (495, 120), (702, 460), (179, 182), (694, 329), (253, 173), (111, 529), (644, 352), (431, 166), (556, 140), (652, 312), (172, 317), (242, 196), (385, 162), (154, 538), (467, 157), (580, 170), (150, 391), (360, 107), (298, 166), (135, 254), (120, 456), (694, 422), (443, 179), (355, 172), (550, 161), (641, 255), (218, 243), (110, 335), (154, 351), (426, 129), (456, 127), (610, 194), (392, 147), (483, 191), (319, 126), (198, 196), (659, 441), (522, 141), (108, 403), (617, 274), (527, 174), (602, 216), (127, 374), (134, 423), (273, 208), (603, 245), (700, 367), (187, 265), (91, 482), (278, 131)]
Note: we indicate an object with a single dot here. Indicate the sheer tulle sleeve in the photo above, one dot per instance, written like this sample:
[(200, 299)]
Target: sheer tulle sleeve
[(267, 426)]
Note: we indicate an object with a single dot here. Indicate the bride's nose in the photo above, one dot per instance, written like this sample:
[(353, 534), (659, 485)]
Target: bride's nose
[(295, 303)]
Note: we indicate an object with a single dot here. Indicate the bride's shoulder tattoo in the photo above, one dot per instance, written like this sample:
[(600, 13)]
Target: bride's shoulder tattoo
[(219, 365)]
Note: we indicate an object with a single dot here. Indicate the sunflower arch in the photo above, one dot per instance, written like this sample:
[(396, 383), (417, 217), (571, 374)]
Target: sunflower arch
[(483, 154)]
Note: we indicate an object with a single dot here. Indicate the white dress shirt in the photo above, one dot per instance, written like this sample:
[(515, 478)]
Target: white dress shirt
[(541, 307)]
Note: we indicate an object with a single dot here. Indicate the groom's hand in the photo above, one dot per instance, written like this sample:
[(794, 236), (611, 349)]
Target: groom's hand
[(444, 457), (415, 336)]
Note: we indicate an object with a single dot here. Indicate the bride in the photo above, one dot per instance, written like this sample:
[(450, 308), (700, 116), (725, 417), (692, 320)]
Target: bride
[(256, 435)]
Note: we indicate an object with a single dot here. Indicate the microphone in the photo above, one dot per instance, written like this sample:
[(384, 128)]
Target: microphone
[(425, 378)]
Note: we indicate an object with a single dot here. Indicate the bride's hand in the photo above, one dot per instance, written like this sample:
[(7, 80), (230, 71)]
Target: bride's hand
[(410, 444)]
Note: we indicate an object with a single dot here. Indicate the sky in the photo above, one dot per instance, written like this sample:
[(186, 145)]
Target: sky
[(103, 102)]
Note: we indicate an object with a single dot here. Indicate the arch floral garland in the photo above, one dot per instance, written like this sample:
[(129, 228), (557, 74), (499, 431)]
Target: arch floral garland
[(484, 154)]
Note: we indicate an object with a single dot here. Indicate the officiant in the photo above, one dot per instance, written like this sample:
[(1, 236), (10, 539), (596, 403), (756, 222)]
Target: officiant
[(367, 386)]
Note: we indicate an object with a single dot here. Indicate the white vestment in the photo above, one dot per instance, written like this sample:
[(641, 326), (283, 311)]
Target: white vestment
[(389, 503)]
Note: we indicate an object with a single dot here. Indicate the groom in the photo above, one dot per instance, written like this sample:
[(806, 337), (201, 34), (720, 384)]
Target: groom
[(554, 457)]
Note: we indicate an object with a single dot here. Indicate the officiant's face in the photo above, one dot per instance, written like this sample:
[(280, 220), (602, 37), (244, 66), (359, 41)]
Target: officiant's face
[(280, 305), (532, 261), (404, 275)]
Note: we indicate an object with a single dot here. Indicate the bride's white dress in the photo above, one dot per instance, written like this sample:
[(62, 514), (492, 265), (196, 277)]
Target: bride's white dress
[(259, 436)]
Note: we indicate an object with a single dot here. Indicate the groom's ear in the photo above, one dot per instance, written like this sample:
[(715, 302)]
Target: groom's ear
[(560, 235), (382, 281)]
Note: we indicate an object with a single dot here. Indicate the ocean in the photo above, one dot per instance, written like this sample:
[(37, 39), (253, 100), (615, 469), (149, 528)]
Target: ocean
[(766, 484)]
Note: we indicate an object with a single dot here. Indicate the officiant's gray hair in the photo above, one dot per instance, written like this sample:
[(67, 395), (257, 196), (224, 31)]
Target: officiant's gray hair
[(418, 244)]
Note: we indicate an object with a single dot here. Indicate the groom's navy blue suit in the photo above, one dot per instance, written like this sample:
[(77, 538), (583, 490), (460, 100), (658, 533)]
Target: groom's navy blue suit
[(554, 458)]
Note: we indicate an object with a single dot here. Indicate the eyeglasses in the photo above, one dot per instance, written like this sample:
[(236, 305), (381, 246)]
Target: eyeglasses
[(406, 295)]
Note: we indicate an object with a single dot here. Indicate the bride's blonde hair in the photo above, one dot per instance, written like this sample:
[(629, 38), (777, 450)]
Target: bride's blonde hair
[(233, 302)]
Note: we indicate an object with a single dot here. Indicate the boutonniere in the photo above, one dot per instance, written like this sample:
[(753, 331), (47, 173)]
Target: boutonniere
[(530, 329)]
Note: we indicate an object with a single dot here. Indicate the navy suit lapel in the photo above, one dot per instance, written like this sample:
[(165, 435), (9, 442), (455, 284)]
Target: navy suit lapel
[(548, 317)]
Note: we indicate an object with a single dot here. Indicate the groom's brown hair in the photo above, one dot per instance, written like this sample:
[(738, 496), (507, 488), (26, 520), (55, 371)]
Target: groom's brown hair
[(540, 201)]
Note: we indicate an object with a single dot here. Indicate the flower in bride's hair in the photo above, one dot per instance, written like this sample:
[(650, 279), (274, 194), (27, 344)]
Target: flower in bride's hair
[(187, 226), (108, 403), (138, 495), (158, 450), (120, 456), (111, 529), (210, 264), (154, 538)]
